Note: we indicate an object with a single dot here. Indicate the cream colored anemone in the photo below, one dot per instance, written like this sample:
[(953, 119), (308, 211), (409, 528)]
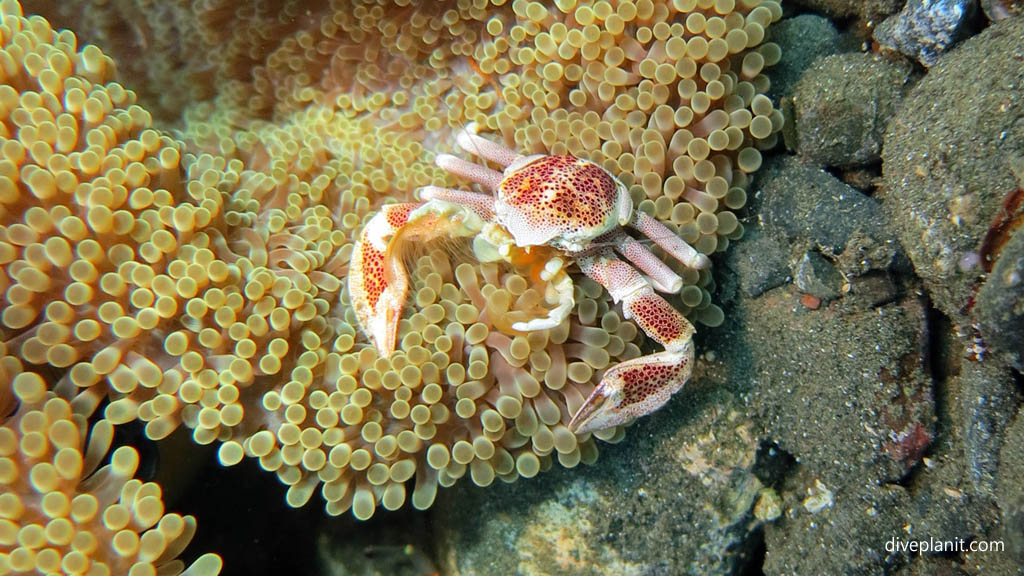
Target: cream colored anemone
[(63, 513), (91, 205), (460, 396)]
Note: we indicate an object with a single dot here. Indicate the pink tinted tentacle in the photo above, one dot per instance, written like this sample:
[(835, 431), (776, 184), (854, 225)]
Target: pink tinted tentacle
[(661, 277), (468, 140), (469, 170), (481, 204), (668, 240)]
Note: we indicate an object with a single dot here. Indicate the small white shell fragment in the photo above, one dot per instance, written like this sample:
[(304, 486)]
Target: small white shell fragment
[(819, 498)]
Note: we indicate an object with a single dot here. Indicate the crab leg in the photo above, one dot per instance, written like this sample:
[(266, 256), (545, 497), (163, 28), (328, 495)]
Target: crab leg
[(639, 386), (468, 140), (668, 240), (661, 277), (378, 283), (469, 170), (482, 204)]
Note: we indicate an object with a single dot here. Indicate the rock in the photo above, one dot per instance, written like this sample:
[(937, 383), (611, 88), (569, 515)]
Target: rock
[(841, 106), (813, 227), (1011, 489), (924, 29), (802, 38), (989, 402), (391, 544), (952, 493), (874, 470), (864, 10), (818, 277), (841, 389), (947, 161), (849, 537), (768, 506), (943, 508), (676, 497), (934, 566), (761, 262), (812, 209), (996, 10), (937, 500), (872, 290), (1000, 304)]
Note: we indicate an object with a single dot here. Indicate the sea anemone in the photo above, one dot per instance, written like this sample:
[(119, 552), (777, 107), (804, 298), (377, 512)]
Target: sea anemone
[(199, 279), (60, 511)]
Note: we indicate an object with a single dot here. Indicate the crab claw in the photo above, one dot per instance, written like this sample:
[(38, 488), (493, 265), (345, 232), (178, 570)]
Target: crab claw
[(377, 281), (634, 388), (378, 284), (639, 386)]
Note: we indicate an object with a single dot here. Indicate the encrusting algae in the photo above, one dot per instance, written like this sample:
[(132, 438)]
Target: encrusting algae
[(196, 277)]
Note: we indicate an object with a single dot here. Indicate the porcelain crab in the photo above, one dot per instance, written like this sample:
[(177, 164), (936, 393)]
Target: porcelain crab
[(546, 211)]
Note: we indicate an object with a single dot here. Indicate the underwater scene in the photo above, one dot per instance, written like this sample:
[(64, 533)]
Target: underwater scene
[(511, 287)]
